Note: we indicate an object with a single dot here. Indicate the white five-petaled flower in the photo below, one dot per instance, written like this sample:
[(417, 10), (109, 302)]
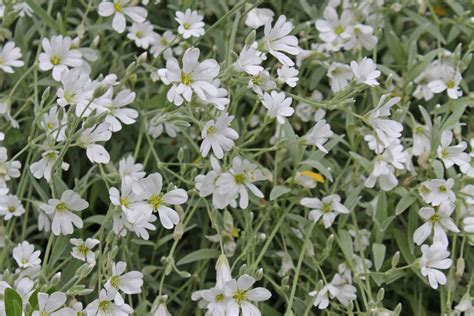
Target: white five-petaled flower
[(448, 79), (82, 250), (149, 189), (119, 9), (26, 256), (105, 305), (63, 212), (10, 56), (250, 60), (129, 283), (366, 71), (277, 40), (386, 129), (327, 209), (339, 288), (44, 167), (118, 114), (75, 89), (436, 222), (437, 191), (218, 135), (278, 105), (319, 135), (142, 34), (50, 304), (10, 206), (59, 55), (452, 155), (340, 75), (383, 172), (288, 75), (433, 259), (241, 295), (190, 23), (333, 30), (240, 178), (258, 17), (88, 139), (194, 76)]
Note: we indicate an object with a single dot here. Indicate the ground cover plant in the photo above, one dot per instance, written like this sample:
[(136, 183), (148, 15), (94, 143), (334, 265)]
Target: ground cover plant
[(226, 157)]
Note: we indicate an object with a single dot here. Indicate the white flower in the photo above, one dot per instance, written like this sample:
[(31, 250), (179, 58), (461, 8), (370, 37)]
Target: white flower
[(437, 191), (449, 80), (161, 310), (129, 169), (452, 155), (218, 136), (83, 249), (149, 189), (58, 55), (63, 212), (190, 24), (386, 130), (8, 169), (75, 89), (240, 178), (10, 56), (119, 9), (54, 127), (44, 167), (88, 139), (319, 134), (278, 105), (142, 34), (422, 139), (258, 17), (468, 167), (366, 71), (433, 259), (339, 288), (288, 75), (277, 40), (10, 206), (129, 283), (104, 306), (437, 222), (50, 305), (328, 208), (118, 114), (194, 77), (382, 172), (250, 61), (468, 223), (340, 75), (261, 82), (362, 36), (26, 256), (333, 30), (241, 295), (162, 43)]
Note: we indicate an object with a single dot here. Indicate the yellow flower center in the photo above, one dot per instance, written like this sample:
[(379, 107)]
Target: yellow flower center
[(186, 25), (444, 153), (419, 130), (11, 209), (435, 218), (61, 207), (139, 34), (339, 29), (234, 232), (124, 201), (50, 125), (219, 298), (239, 178), (55, 60), (326, 208), (156, 201), (240, 296), (83, 249), (103, 305), (186, 79), (211, 130), (442, 189), (117, 7), (114, 281), (450, 84)]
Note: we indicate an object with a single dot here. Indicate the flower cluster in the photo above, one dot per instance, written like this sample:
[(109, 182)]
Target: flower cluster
[(319, 155)]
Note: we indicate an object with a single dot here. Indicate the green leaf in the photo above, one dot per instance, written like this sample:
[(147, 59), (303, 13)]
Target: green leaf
[(42, 14), (381, 210), (13, 303), (345, 243), (278, 191), (438, 169), (378, 250), (404, 203), (198, 255), (293, 145), (454, 118)]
